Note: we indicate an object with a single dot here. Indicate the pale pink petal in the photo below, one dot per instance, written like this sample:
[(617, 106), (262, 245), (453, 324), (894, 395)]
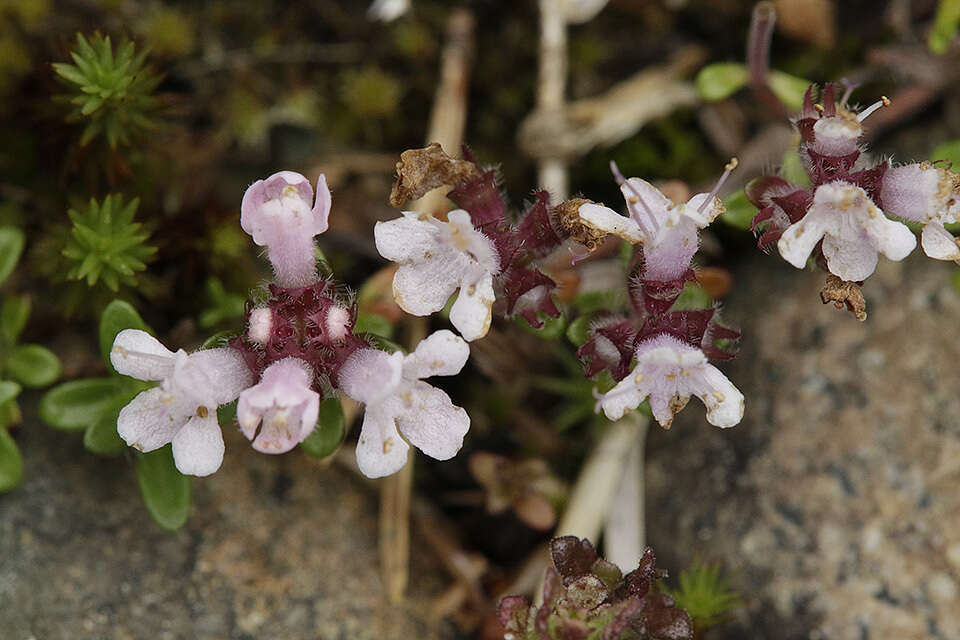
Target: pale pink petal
[(442, 353), (709, 213), (321, 208), (380, 450), (137, 354), (940, 244), (471, 312), (913, 192), (283, 404), (638, 193), (152, 419), (370, 375), (213, 376), (431, 422), (198, 446)]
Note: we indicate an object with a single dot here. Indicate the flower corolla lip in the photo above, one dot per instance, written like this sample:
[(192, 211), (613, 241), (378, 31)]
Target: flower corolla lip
[(667, 231), (436, 258), (668, 371), (282, 404), (401, 409), (183, 409), (282, 214), (925, 193), (853, 229)]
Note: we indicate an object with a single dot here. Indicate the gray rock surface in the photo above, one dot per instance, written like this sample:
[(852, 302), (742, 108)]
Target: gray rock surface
[(834, 505), (277, 547)]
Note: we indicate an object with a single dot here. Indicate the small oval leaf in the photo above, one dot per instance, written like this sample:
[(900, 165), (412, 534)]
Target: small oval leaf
[(11, 246), (329, 432), (33, 365), (101, 437), (13, 317), (79, 403), (165, 491), (8, 391), (117, 316), (11, 463), (720, 80)]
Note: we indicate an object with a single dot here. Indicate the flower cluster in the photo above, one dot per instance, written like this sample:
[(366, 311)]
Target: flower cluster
[(298, 347), (670, 348), (585, 596), (476, 250), (840, 218)]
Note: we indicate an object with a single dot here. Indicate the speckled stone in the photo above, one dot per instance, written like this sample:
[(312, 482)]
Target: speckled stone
[(277, 547), (834, 505)]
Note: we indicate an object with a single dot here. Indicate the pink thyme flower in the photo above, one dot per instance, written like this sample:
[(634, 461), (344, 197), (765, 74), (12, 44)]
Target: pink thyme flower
[(284, 402), (281, 214), (842, 205), (437, 258), (183, 409), (401, 408), (669, 371), (925, 193)]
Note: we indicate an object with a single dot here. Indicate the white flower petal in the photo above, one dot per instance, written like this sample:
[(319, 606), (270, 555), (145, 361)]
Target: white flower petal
[(891, 238), (601, 218), (152, 419), (430, 421), (422, 288), (652, 197), (442, 353), (626, 396), (370, 375), (380, 450), (471, 313), (213, 376), (412, 237), (851, 259), (799, 239), (198, 446), (321, 206), (710, 212), (724, 401), (137, 354), (940, 244)]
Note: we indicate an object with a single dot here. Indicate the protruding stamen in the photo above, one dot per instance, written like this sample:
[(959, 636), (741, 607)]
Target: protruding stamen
[(849, 86), (636, 194), (727, 170), (884, 101), (819, 108)]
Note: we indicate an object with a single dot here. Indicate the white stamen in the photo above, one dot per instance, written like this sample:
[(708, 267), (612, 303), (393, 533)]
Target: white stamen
[(884, 101), (623, 181), (727, 170)]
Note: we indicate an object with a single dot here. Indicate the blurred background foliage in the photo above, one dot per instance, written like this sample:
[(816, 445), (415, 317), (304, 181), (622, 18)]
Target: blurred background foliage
[(197, 100)]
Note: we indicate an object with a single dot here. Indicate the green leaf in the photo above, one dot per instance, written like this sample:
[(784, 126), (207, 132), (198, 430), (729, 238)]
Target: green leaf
[(948, 151), (8, 391), (11, 246), (219, 339), (373, 323), (118, 315), (11, 463), (552, 328), (79, 403), (329, 432), (101, 437), (165, 491), (33, 365), (944, 26), (579, 330), (789, 89), (720, 80), (13, 317), (693, 297), (739, 211), (792, 169), (600, 300)]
